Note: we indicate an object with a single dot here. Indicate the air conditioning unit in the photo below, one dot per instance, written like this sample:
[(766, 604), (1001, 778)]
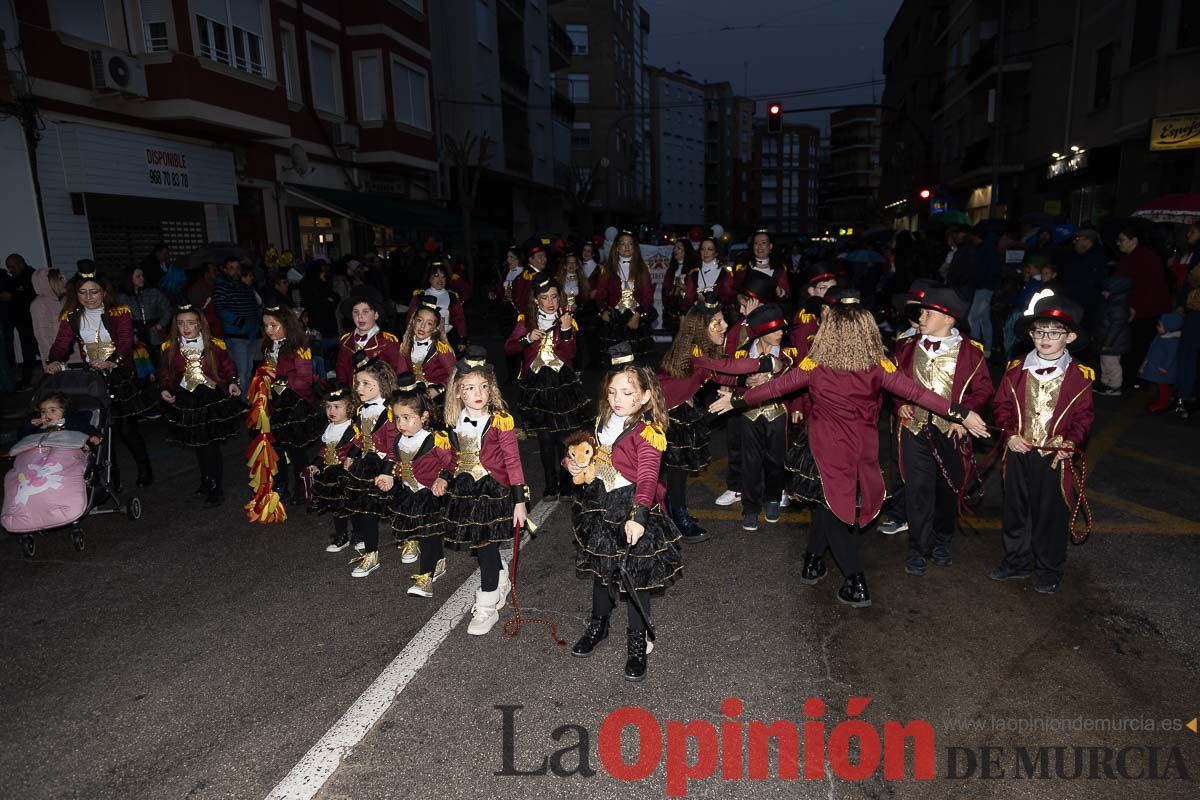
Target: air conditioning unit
[(345, 136), (115, 71)]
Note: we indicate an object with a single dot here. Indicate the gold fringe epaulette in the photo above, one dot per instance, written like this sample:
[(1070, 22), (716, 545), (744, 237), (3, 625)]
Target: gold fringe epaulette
[(220, 343), (390, 337), (520, 317), (441, 440), (444, 347), (345, 336), (165, 346), (808, 364), (696, 351), (791, 353), (978, 345), (655, 436), (1088, 372), (304, 352), (1014, 363), (502, 421), (804, 317), (118, 310), (887, 364)]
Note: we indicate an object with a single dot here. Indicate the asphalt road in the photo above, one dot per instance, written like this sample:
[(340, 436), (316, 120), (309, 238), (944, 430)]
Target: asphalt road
[(193, 655)]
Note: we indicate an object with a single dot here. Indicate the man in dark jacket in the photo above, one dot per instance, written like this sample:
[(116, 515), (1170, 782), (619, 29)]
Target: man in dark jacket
[(1084, 272), (16, 298), (1111, 326), (960, 273), (237, 307)]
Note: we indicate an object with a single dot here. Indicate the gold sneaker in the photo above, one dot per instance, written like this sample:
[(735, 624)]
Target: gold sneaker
[(365, 564), (423, 582), (410, 551)]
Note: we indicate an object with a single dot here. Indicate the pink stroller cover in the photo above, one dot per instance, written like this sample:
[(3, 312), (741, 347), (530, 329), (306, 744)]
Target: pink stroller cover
[(47, 486)]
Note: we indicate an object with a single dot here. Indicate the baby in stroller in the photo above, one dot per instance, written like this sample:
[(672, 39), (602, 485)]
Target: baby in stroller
[(62, 467), (54, 414)]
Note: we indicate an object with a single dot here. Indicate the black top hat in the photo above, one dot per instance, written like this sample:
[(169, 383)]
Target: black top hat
[(534, 248), (948, 301), (336, 390), (1055, 308), (362, 360), (759, 285), (821, 271), (430, 303), (407, 382), (474, 360), (542, 283), (621, 354), (765, 319), (843, 295)]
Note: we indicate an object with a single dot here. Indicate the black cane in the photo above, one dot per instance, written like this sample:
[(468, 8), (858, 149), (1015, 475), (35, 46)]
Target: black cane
[(631, 590)]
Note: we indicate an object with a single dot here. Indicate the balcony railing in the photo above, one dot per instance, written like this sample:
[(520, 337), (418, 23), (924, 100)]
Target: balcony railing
[(560, 47), (515, 75)]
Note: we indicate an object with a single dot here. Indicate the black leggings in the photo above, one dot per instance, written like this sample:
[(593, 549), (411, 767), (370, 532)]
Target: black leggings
[(489, 566), (432, 551), (366, 530), (208, 458), (548, 444), (603, 603), (128, 434), (828, 531), (676, 480)]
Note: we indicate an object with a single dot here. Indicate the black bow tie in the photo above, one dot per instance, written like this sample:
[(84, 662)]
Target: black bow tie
[(191, 341), (470, 421), (1045, 370), (361, 338), (422, 344), (931, 346)]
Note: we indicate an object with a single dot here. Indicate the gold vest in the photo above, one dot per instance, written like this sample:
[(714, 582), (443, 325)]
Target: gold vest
[(773, 411), (605, 470), (330, 453), (1040, 399), (404, 469), (627, 301), (546, 357), (418, 367), (936, 373), (193, 371), (98, 350), (367, 427), (468, 456)]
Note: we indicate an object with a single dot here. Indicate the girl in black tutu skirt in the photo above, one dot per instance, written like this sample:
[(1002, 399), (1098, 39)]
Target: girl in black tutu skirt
[(295, 419), (549, 393), (618, 520), (486, 488), (198, 381), (326, 470), (418, 456), (625, 296), (696, 357), (366, 503)]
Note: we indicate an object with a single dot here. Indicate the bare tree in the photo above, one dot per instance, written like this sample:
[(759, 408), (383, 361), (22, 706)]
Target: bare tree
[(469, 156), (581, 190)]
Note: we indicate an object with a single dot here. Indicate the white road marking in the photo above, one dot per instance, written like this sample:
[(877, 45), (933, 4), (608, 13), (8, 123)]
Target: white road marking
[(323, 759)]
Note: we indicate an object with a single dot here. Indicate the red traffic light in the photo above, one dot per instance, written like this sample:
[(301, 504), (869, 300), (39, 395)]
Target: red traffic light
[(924, 194), (774, 109)]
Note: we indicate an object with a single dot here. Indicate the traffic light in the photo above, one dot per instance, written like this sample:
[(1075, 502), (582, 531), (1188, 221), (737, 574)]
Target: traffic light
[(924, 194), (774, 118)]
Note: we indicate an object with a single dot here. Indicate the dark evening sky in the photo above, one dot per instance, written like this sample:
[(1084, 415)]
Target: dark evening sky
[(785, 47)]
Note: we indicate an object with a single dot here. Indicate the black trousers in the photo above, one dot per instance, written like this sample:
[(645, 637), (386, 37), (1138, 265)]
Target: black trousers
[(676, 482), (603, 603), (433, 550), (829, 532), (208, 459), (489, 566), (29, 347), (129, 434), (764, 446), (1141, 335), (549, 445), (1035, 516), (366, 530), (932, 506), (734, 431)]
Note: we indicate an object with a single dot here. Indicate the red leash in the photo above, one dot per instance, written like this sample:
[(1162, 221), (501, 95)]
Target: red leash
[(512, 625)]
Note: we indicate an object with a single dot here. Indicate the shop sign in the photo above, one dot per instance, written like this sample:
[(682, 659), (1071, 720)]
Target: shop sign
[(1175, 133), (167, 168), (1068, 164)]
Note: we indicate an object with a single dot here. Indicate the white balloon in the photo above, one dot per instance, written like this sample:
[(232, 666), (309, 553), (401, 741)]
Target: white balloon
[(610, 233), (717, 231)]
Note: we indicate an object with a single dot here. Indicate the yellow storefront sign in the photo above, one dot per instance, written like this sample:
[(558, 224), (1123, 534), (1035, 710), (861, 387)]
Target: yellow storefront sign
[(1175, 133)]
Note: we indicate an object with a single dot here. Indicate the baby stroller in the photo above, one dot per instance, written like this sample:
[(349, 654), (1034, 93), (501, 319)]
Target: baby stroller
[(58, 477)]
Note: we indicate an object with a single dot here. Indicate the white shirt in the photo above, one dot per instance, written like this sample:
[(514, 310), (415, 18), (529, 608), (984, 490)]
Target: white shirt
[(755, 351), (546, 321), (945, 342), (624, 265), (192, 344), (334, 431), (420, 350), (276, 346), (1034, 362), (465, 427), (589, 267), (708, 274), (363, 338), (571, 286), (442, 296), (513, 274), (90, 324), (411, 444), (764, 266), (372, 409), (607, 435)]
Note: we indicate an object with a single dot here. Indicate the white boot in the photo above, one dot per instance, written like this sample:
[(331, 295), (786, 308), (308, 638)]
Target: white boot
[(484, 615), (505, 585)]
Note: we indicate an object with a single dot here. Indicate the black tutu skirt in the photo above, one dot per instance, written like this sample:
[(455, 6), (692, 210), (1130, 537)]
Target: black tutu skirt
[(687, 438), (803, 477), (128, 399), (329, 490), (617, 330), (361, 493), (203, 416), (478, 512), (417, 514), (295, 423), (552, 401), (599, 520)]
